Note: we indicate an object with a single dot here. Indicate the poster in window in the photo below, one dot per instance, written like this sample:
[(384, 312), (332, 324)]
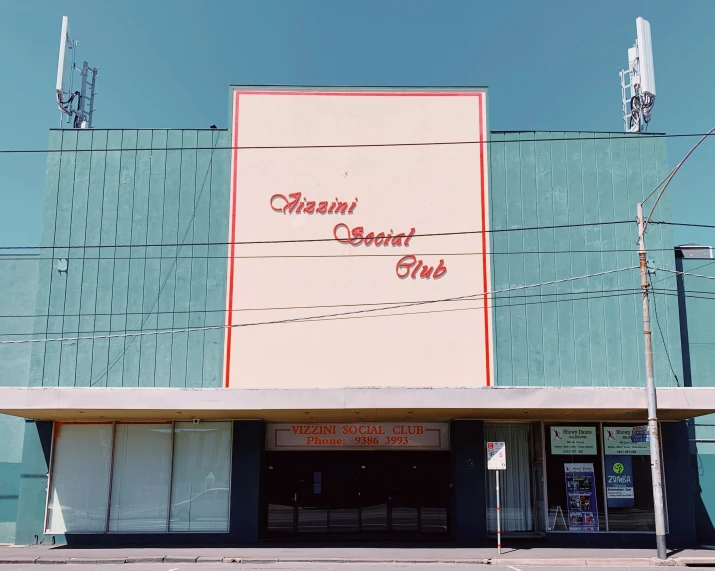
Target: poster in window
[(573, 440), (581, 497), (619, 482), (626, 440)]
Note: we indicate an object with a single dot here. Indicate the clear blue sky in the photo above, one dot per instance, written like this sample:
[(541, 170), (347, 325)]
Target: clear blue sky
[(549, 65)]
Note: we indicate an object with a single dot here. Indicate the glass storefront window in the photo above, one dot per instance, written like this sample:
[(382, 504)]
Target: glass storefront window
[(201, 476), (140, 478), (576, 501), (147, 464), (629, 491), (80, 479)]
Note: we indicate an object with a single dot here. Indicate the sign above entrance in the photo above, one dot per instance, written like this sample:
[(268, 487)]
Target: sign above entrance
[(573, 440), (358, 436), (626, 440)]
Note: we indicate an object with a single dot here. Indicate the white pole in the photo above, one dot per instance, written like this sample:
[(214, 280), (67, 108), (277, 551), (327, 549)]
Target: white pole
[(498, 517), (658, 509)]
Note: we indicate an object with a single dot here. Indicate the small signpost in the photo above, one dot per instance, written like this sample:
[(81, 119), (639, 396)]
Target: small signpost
[(496, 460)]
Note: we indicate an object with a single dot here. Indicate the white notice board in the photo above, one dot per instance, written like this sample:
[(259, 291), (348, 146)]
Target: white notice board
[(496, 455)]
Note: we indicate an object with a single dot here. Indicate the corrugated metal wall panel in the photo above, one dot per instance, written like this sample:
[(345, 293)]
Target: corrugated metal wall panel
[(587, 335), (133, 198), (590, 334)]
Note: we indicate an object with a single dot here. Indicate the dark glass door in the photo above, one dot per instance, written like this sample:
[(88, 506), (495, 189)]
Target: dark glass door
[(377, 494), (375, 486), (344, 497), (405, 498), (281, 494), (311, 500)]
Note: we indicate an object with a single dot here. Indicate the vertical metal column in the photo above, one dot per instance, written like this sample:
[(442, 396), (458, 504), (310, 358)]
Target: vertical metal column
[(111, 477), (498, 516), (171, 481)]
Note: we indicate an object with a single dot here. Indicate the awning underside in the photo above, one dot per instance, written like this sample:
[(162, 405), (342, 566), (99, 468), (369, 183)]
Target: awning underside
[(352, 404)]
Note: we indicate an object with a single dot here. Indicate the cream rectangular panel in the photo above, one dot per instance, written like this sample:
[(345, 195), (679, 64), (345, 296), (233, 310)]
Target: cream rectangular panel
[(396, 186)]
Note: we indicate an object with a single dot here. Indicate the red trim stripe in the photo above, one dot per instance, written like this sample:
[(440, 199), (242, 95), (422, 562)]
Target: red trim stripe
[(484, 239), (485, 283), (370, 93), (229, 330)]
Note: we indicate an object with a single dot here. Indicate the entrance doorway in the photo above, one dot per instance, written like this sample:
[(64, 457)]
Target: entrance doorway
[(358, 493), (519, 498)]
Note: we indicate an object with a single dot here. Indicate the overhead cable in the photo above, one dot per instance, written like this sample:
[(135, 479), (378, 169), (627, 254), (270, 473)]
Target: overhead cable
[(596, 137), (315, 317), (306, 240)]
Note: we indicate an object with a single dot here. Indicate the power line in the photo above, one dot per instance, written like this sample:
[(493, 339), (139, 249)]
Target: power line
[(315, 317), (671, 276), (361, 145), (299, 241), (624, 293), (665, 345), (670, 177), (472, 308), (491, 296), (685, 274), (686, 224), (139, 258), (685, 295)]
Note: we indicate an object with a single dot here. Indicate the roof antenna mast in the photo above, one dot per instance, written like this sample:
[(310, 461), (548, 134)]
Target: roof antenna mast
[(76, 106), (640, 79)]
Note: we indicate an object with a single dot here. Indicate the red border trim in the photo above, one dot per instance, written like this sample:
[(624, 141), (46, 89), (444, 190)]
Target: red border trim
[(234, 189), (232, 239), (485, 275), (370, 93)]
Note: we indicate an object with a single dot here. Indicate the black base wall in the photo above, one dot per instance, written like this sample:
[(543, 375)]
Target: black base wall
[(249, 439), (469, 521), (680, 484)]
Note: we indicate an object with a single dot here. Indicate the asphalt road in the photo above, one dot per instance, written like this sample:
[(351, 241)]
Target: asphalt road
[(302, 567)]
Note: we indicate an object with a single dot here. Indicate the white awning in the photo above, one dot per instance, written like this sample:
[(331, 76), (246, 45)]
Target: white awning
[(358, 404)]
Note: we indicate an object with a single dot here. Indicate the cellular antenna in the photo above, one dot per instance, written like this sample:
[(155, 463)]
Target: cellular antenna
[(76, 106), (640, 79)]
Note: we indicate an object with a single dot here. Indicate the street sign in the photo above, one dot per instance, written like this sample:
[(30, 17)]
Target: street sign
[(496, 460), (496, 455)]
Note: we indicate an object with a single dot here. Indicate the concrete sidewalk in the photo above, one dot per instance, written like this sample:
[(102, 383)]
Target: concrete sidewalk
[(369, 554)]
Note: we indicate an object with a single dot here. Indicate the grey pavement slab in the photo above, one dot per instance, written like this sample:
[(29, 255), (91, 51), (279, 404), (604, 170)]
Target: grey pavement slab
[(301, 567), (268, 555)]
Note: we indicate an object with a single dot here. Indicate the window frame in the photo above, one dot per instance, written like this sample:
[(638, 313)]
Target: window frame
[(50, 477), (599, 426)]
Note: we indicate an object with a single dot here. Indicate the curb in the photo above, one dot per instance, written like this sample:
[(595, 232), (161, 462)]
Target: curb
[(180, 559), (554, 562), (95, 560)]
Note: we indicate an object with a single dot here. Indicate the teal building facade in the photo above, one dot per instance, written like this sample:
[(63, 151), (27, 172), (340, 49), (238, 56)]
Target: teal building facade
[(697, 336), (134, 240)]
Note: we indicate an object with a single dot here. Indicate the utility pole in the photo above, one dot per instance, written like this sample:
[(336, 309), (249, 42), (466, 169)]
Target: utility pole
[(653, 432)]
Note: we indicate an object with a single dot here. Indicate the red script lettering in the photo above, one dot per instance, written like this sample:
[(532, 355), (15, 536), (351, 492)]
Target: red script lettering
[(343, 234), (298, 204), (412, 267)]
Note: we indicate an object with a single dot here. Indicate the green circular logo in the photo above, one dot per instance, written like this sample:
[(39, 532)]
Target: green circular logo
[(618, 468)]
